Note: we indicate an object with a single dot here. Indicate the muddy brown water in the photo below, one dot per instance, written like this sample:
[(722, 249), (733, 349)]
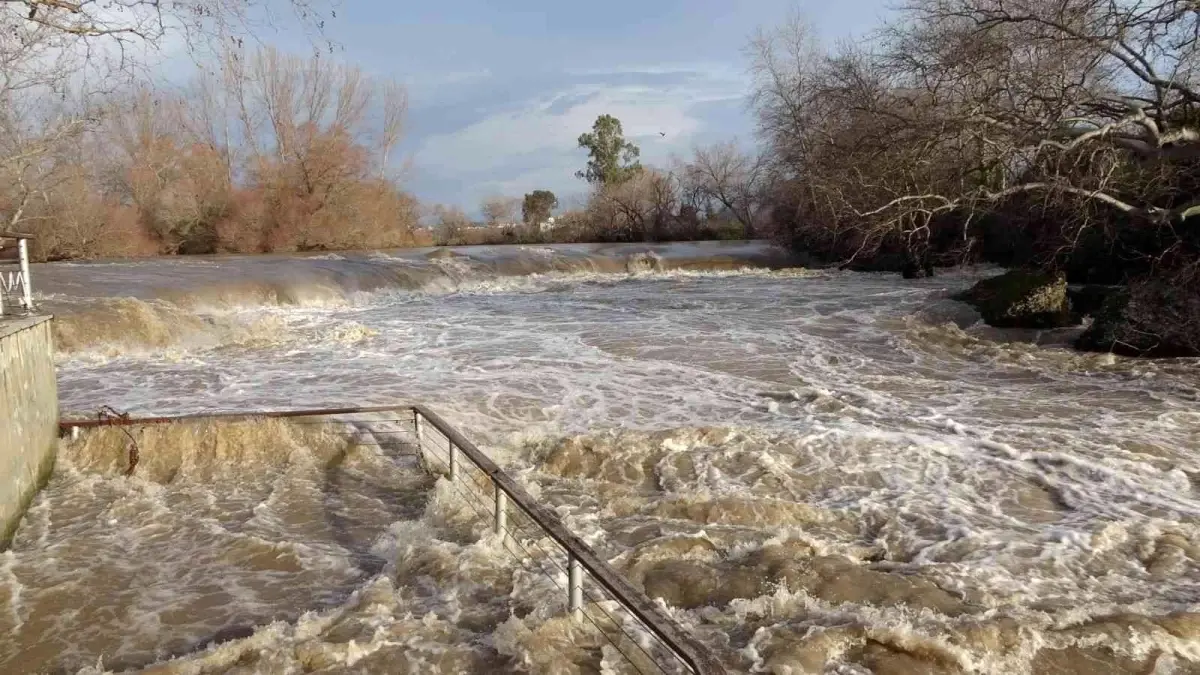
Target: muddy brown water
[(816, 472)]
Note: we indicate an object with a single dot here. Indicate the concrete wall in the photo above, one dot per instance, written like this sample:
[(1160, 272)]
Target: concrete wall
[(28, 415)]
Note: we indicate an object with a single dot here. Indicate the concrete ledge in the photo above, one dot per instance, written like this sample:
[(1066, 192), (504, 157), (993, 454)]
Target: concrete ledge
[(28, 416)]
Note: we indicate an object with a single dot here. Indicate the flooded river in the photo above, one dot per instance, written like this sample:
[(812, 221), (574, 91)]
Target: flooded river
[(816, 471)]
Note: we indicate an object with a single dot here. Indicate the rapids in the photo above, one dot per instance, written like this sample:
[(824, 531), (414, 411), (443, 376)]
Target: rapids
[(816, 471)]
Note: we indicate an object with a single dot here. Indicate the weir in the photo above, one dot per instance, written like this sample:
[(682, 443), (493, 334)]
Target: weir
[(593, 593)]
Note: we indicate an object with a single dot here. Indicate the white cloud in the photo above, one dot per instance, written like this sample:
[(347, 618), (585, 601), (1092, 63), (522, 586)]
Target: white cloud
[(533, 144)]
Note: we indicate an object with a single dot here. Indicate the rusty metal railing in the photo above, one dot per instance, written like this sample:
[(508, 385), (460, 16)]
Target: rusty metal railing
[(507, 498)]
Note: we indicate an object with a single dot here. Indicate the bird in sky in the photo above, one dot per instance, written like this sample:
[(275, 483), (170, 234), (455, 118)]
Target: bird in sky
[(663, 134)]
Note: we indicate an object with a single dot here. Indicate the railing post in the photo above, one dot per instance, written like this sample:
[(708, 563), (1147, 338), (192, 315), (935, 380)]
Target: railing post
[(419, 426), (453, 460), (26, 280), (501, 510), (575, 587)]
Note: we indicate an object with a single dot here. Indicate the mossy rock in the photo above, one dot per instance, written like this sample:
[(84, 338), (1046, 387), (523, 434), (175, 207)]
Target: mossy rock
[(1021, 299)]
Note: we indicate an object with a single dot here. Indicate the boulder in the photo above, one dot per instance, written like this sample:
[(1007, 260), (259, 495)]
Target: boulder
[(1154, 320), (1087, 300), (879, 262), (917, 270), (1021, 299)]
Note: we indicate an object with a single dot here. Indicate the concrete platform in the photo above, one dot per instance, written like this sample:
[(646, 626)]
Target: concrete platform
[(28, 415)]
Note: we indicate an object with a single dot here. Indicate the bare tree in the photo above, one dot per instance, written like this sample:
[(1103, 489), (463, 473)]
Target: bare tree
[(640, 208), (721, 174), (129, 29), (450, 224), (500, 210), (1084, 107), (57, 55), (313, 119)]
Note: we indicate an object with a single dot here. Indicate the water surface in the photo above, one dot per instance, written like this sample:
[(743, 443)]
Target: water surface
[(817, 472)]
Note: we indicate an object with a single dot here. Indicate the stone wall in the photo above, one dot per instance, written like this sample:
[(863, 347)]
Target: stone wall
[(28, 415)]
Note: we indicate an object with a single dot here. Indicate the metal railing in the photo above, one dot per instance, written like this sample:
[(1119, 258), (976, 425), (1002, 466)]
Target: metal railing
[(14, 251), (479, 479)]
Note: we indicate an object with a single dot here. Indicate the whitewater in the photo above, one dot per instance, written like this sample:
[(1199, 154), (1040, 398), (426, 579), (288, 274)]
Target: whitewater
[(816, 471)]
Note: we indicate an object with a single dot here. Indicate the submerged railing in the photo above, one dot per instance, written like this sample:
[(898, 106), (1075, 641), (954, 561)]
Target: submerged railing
[(14, 272), (513, 513)]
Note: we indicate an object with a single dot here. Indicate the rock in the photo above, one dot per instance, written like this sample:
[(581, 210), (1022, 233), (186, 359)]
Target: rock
[(1021, 299), (1087, 300), (1152, 319), (880, 262), (915, 270), (646, 261)]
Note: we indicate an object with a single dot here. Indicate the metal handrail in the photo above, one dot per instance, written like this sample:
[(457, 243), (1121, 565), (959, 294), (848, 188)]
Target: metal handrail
[(23, 276), (689, 650), (694, 654)]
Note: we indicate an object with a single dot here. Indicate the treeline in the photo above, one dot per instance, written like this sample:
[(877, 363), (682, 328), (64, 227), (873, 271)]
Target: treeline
[(266, 152), (713, 194), (1062, 136), (1026, 132)]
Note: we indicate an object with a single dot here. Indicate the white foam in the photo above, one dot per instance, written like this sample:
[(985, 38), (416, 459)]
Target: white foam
[(1034, 483)]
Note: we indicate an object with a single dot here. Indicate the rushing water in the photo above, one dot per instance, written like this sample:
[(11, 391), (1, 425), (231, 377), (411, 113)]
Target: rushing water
[(817, 472)]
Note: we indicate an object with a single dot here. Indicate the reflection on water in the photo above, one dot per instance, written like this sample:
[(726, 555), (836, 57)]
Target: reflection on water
[(819, 472)]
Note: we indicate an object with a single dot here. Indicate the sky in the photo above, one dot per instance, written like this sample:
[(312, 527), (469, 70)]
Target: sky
[(499, 91)]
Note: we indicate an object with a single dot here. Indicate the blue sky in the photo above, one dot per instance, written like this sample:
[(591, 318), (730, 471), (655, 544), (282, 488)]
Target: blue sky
[(499, 91)]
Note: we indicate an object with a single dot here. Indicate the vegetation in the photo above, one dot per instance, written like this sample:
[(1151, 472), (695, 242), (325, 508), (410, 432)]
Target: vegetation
[(451, 225), (537, 207), (716, 194), (269, 152), (1058, 135), (612, 160), (500, 211), (266, 151)]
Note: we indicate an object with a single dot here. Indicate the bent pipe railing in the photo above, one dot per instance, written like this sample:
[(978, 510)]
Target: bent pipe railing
[(690, 651)]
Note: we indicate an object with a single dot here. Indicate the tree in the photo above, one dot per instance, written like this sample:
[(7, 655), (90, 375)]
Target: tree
[(320, 130), (966, 110), (724, 175), (118, 31), (450, 224), (611, 159), (537, 206), (57, 57), (639, 209), (499, 210)]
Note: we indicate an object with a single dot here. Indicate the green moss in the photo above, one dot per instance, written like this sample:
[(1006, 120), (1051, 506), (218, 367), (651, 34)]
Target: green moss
[(1021, 299)]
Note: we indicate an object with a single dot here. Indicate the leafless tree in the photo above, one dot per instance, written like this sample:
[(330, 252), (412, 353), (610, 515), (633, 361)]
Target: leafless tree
[(641, 208), (723, 175), (499, 210), (321, 130), (57, 56), (1085, 107), (450, 224)]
